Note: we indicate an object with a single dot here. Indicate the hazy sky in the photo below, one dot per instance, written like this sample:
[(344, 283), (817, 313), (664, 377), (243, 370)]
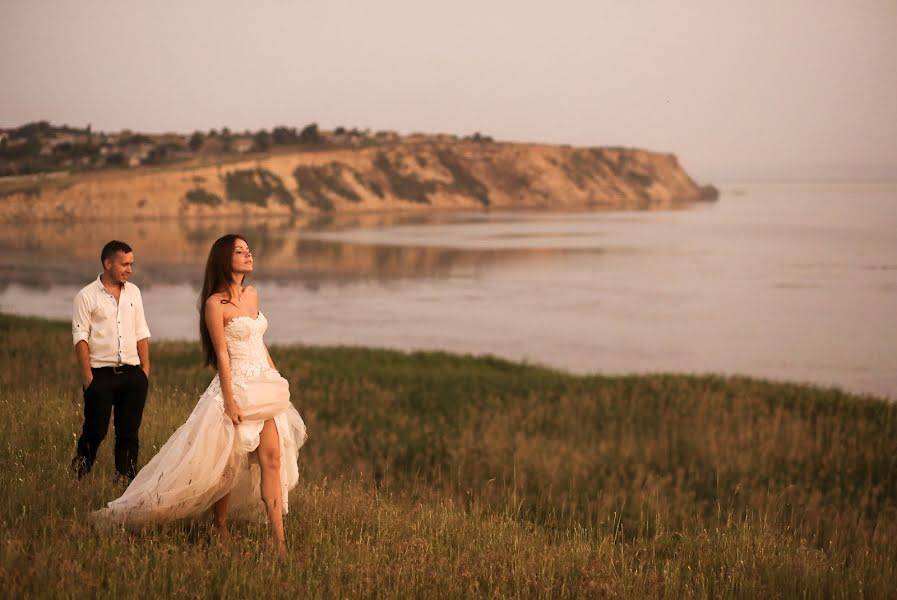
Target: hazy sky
[(761, 87)]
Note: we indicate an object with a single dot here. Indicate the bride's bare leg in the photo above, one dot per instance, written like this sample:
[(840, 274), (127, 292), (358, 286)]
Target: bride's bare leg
[(269, 461), (221, 517)]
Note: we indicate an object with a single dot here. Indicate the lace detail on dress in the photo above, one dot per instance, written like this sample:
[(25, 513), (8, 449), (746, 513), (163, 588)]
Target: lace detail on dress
[(245, 346), (246, 349)]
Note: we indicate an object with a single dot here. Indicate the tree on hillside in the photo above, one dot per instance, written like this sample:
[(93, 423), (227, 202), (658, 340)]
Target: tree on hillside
[(310, 134), (36, 128), (137, 138), (196, 141), (31, 148), (226, 139), (261, 141), (284, 136)]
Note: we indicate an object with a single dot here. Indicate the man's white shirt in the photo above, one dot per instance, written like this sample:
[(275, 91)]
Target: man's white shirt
[(111, 328)]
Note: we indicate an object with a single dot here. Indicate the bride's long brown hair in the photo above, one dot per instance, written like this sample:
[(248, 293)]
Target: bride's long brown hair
[(218, 278)]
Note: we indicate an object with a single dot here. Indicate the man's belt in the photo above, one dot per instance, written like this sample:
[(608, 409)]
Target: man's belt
[(116, 369)]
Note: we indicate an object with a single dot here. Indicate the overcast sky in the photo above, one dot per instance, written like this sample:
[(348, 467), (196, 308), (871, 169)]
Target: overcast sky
[(735, 88)]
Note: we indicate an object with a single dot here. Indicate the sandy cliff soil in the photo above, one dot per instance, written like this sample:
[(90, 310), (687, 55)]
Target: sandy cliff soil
[(407, 176)]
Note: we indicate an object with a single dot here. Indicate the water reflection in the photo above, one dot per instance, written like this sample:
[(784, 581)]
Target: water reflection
[(38, 255)]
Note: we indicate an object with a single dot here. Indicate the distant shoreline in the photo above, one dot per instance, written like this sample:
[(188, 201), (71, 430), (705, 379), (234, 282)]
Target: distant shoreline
[(805, 386), (405, 176)]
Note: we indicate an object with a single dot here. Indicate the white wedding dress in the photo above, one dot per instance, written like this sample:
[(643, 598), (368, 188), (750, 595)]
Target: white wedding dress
[(208, 456)]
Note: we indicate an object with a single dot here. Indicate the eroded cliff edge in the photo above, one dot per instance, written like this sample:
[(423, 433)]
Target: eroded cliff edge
[(420, 176)]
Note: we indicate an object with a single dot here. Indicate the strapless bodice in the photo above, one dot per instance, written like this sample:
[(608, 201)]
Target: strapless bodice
[(245, 346)]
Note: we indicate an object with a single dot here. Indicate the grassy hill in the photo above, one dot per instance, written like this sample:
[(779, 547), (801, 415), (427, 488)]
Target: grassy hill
[(437, 475)]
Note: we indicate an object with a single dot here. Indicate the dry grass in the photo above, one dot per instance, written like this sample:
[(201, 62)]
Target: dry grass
[(435, 475)]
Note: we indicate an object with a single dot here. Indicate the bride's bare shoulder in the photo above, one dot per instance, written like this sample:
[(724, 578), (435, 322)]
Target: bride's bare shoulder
[(215, 302)]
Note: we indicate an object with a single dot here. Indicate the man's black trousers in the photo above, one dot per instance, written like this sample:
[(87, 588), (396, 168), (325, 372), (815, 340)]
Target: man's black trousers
[(119, 392)]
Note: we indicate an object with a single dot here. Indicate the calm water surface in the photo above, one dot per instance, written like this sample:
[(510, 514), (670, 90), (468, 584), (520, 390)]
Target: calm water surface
[(793, 281)]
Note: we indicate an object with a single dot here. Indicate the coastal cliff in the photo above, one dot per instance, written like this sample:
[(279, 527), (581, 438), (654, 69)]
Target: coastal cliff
[(467, 175)]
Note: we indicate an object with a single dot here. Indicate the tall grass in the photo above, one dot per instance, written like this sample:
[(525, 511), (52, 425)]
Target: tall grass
[(437, 475)]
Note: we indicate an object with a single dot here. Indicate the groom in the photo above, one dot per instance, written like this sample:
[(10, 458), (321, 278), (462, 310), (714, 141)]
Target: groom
[(112, 344)]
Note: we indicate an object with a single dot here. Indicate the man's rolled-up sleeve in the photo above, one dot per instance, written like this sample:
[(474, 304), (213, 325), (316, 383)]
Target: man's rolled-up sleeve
[(142, 329), (80, 319)]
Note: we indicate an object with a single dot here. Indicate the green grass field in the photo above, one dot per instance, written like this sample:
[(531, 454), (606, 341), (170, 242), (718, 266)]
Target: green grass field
[(437, 475)]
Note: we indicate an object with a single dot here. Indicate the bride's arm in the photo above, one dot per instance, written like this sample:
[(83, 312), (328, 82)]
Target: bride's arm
[(214, 315)]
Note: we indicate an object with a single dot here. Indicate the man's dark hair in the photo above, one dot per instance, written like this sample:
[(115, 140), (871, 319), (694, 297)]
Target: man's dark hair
[(113, 248)]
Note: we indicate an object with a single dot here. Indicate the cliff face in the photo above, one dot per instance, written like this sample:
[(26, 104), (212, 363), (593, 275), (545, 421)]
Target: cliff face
[(408, 176)]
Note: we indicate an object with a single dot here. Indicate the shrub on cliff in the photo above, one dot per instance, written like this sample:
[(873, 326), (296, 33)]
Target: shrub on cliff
[(405, 187), (315, 181), (255, 186), (709, 193), (310, 188), (368, 184), (276, 187), (463, 181), (583, 166), (201, 196), (639, 179), (409, 187)]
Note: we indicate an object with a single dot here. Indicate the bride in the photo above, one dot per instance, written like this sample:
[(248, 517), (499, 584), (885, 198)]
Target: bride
[(238, 450)]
